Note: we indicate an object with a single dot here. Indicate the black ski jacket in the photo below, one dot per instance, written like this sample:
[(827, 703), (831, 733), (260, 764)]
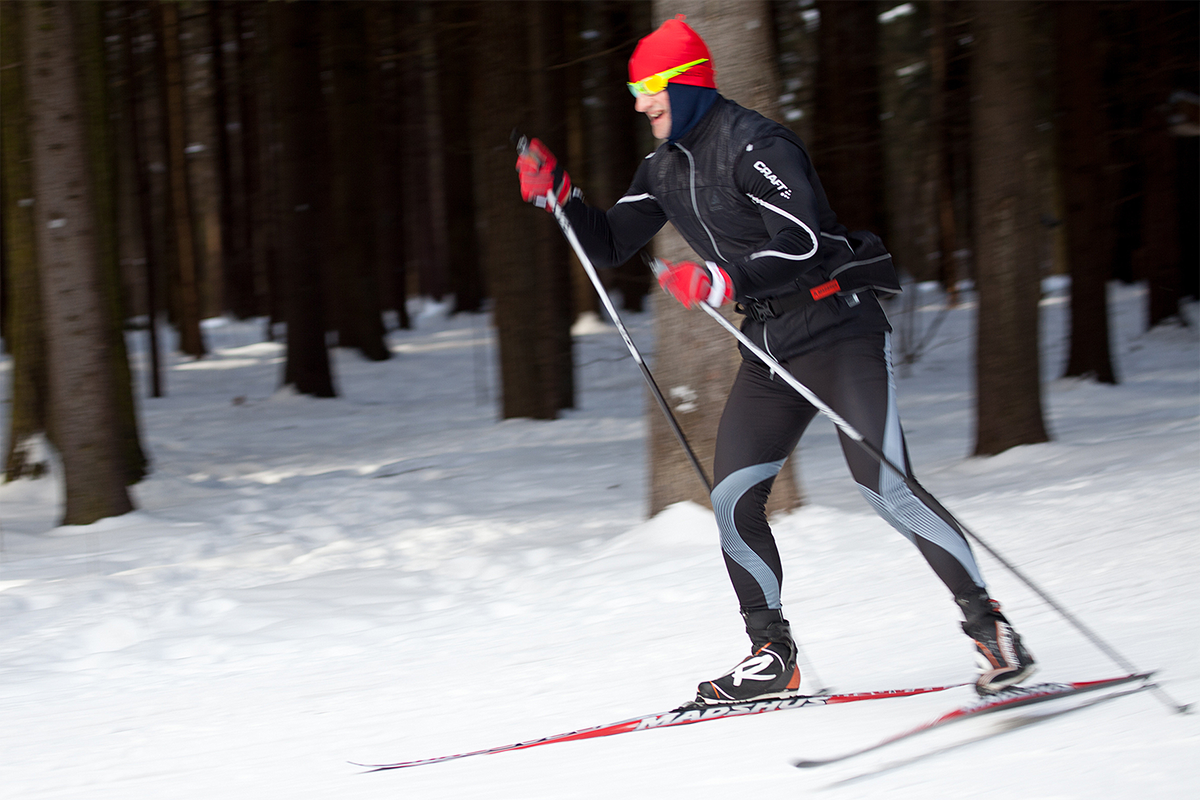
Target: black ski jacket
[(743, 193)]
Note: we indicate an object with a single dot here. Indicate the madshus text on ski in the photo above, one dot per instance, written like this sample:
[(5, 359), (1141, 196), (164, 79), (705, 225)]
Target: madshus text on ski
[(697, 712)]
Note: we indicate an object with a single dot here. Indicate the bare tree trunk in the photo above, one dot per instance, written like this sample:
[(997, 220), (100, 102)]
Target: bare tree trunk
[(143, 193), (23, 325), (236, 264), (455, 24), (262, 22), (1158, 257), (390, 188), (82, 413), (1008, 385), (420, 148), (507, 224), (528, 282), (195, 69), (611, 140), (552, 309), (250, 30), (950, 271), (247, 277), (847, 147), (696, 359), (1090, 200), (358, 311), (102, 158), (296, 75), (436, 274), (179, 205), (578, 57)]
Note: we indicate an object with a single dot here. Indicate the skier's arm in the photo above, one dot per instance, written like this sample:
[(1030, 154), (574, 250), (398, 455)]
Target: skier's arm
[(774, 176), (610, 238)]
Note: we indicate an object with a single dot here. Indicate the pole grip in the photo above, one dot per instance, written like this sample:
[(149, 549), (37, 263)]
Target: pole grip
[(519, 141)]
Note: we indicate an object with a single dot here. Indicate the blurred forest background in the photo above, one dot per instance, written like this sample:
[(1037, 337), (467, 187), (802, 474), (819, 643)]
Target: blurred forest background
[(320, 165)]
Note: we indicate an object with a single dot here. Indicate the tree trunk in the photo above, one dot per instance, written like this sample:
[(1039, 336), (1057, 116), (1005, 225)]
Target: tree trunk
[(250, 30), (23, 326), (1157, 260), (81, 379), (352, 279), (304, 205), (179, 200), (1008, 386), (847, 147), (612, 145), (102, 158), (943, 96), (455, 22), (236, 265), (143, 197), (1088, 195), (552, 307), (389, 186), (262, 21), (527, 289), (696, 359), (424, 230)]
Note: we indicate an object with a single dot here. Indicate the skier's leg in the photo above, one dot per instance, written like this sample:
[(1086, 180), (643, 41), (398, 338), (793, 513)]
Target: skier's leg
[(761, 424), (862, 389), (857, 382)]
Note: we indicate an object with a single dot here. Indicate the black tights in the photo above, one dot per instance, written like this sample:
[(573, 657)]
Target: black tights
[(762, 424)]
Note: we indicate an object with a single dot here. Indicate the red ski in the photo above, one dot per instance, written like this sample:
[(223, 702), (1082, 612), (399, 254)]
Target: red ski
[(688, 714), (1012, 697)]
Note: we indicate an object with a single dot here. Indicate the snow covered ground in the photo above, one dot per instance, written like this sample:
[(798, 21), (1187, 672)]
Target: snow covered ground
[(395, 574)]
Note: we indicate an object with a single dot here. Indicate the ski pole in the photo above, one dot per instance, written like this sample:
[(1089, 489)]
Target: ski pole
[(923, 494), (522, 143)]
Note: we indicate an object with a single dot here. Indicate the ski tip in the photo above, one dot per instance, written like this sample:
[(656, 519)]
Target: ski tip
[(1170, 702)]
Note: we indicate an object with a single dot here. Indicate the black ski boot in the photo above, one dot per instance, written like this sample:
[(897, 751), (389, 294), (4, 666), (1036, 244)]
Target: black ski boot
[(768, 672), (1003, 660)]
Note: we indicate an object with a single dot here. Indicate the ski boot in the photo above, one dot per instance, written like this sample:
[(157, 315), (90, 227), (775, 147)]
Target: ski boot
[(1003, 660), (768, 672)]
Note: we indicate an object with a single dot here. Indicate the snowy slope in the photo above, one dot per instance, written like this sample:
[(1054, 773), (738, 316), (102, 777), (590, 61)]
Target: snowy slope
[(395, 574)]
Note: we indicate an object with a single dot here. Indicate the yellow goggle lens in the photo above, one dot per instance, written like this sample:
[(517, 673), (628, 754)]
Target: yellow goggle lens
[(657, 82)]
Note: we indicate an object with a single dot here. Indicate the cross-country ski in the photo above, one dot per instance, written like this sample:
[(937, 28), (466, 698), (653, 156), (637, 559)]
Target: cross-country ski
[(688, 714), (1012, 697)]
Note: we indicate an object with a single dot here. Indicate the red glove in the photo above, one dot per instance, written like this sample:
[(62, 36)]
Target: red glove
[(540, 175), (691, 283)]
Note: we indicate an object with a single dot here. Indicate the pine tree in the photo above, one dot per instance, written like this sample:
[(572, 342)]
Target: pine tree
[(81, 380), (23, 332), (1007, 378)]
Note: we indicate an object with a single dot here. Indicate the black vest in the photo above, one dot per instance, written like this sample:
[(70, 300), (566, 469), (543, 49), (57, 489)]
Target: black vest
[(693, 182)]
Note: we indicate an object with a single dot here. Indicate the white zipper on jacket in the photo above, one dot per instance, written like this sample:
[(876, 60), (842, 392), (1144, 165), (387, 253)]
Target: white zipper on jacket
[(696, 205)]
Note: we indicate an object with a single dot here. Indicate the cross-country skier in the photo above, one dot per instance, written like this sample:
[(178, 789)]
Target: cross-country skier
[(743, 193)]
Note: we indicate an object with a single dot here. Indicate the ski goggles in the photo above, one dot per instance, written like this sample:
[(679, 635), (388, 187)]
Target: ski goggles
[(658, 81)]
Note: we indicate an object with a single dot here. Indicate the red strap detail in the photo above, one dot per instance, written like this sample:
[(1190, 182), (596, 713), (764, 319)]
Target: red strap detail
[(824, 290)]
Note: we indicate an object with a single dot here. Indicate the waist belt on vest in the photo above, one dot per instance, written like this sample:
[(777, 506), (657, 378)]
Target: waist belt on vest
[(772, 307)]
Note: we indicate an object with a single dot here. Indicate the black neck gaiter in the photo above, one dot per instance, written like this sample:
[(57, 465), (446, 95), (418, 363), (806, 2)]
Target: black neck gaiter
[(688, 105)]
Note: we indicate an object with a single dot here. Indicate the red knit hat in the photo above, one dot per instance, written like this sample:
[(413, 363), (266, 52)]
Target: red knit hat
[(673, 45)]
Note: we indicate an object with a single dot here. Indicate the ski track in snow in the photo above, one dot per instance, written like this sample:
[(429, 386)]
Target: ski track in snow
[(396, 574)]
